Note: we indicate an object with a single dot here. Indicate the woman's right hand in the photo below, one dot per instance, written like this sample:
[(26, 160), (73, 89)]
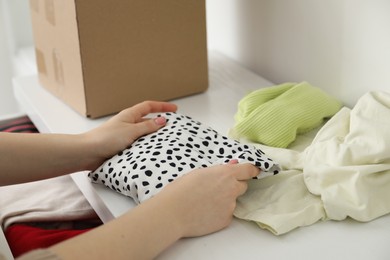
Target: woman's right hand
[(198, 203), (203, 200)]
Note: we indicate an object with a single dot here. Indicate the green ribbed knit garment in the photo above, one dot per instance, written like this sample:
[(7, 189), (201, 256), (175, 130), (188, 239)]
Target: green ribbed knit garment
[(275, 115)]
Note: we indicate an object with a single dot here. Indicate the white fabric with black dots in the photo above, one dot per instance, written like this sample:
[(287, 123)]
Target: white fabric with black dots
[(182, 145)]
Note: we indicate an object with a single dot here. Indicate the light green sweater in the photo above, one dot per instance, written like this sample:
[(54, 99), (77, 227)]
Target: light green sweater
[(275, 115)]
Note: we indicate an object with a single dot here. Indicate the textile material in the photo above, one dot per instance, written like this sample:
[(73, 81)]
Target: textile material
[(40, 254), (184, 144), (348, 163), (56, 199), (54, 203), (274, 116), (282, 203), (18, 125), (24, 238), (344, 171)]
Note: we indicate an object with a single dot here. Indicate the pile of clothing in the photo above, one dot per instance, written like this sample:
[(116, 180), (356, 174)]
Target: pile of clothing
[(337, 164), (42, 213)]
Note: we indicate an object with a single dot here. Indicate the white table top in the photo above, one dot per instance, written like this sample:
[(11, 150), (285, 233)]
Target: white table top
[(229, 82)]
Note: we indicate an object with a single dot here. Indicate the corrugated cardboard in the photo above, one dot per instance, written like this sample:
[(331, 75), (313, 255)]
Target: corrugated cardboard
[(102, 56)]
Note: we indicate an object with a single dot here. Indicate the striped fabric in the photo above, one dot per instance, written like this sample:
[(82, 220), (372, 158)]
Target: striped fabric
[(275, 115), (18, 125)]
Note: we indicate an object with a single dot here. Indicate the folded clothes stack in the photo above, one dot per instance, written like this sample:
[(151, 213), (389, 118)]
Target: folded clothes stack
[(56, 211)]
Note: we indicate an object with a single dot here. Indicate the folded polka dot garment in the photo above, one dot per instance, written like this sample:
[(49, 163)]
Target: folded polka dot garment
[(182, 145)]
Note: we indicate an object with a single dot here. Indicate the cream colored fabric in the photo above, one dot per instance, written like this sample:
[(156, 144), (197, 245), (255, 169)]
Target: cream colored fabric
[(56, 199), (344, 172), (348, 163), (39, 254), (282, 203)]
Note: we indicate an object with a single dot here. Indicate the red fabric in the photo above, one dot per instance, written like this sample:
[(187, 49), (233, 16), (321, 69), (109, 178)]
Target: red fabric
[(19, 125), (23, 238)]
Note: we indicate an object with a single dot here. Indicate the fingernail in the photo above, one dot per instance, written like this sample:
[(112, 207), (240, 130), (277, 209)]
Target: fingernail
[(160, 120), (233, 161)]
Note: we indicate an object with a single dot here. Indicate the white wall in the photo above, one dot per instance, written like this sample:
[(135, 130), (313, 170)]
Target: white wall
[(15, 33), (341, 46), (235, 28), (366, 47), (7, 103)]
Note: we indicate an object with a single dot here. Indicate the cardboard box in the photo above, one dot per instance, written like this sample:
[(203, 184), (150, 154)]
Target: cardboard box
[(102, 56)]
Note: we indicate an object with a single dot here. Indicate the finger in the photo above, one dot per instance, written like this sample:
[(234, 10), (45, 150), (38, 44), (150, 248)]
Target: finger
[(150, 126), (136, 113), (233, 161), (140, 110), (242, 187), (246, 171)]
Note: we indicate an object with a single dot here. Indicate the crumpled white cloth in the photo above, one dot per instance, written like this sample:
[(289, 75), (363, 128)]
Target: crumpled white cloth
[(343, 172), (348, 163), (281, 203)]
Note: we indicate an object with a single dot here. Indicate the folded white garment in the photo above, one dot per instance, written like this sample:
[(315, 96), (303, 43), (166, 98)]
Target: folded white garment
[(56, 199)]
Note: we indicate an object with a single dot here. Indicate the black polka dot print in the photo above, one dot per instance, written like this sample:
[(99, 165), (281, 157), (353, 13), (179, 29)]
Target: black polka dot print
[(184, 144)]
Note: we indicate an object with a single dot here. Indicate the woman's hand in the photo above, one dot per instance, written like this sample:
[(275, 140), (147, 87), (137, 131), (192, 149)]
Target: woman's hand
[(203, 200), (199, 203), (50, 155), (124, 128)]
